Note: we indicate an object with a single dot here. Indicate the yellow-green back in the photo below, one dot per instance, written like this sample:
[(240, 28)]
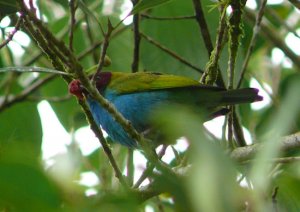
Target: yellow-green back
[(146, 81)]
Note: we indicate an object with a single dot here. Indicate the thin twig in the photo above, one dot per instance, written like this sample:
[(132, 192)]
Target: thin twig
[(130, 167), (171, 53), (12, 33), (253, 41), (90, 49), (26, 92), (43, 44), (200, 18), (203, 26), (235, 33), (61, 34), (98, 133), (137, 40), (44, 38), (103, 49), (212, 72), (58, 47), (134, 68), (230, 128), (274, 200), (72, 5), (238, 129), (150, 168)]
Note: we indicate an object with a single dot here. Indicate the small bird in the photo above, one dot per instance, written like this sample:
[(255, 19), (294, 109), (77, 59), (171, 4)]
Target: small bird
[(137, 95)]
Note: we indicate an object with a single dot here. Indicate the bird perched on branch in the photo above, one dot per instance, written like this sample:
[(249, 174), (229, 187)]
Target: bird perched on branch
[(137, 95)]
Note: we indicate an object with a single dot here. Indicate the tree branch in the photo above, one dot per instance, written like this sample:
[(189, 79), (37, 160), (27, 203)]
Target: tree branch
[(241, 154), (253, 40), (11, 34), (73, 7), (137, 40), (25, 93)]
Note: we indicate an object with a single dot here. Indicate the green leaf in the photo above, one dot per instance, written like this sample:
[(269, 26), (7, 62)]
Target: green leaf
[(182, 37), (120, 51), (21, 124), (147, 4), (7, 7), (288, 184), (26, 188)]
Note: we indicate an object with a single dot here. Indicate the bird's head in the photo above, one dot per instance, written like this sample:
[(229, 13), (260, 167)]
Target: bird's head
[(102, 80), (77, 89)]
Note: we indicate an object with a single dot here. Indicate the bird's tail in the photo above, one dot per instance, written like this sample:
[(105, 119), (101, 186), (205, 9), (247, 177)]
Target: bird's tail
[(244, 95)]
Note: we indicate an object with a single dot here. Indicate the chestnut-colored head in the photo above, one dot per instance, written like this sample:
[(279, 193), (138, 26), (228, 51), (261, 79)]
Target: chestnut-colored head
[(102, 80), (76, 89)]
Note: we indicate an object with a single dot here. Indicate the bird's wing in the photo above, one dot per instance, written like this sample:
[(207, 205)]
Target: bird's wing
[(123, 83)]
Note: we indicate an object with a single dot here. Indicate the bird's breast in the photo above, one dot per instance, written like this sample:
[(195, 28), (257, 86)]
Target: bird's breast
[(135, 107)]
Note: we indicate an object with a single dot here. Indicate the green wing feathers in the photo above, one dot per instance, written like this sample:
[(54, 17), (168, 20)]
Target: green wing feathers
[(186, 89), (146, 81)]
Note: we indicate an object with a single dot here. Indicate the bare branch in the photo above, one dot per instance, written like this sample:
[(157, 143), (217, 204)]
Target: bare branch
[(12, 33), (73, 6), (253, 40), (137, 40), (25, 93), (241, 154)]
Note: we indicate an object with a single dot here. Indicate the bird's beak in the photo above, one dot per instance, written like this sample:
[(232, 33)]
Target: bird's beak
[(77, 89)]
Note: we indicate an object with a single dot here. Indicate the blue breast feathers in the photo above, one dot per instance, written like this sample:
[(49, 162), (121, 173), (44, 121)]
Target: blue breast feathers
[(135, 107)]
